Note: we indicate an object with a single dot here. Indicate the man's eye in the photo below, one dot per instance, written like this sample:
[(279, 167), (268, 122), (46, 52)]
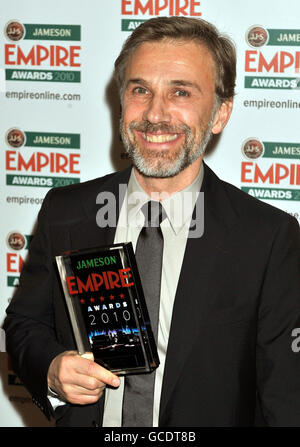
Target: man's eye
[(140, 90), (182, 93)]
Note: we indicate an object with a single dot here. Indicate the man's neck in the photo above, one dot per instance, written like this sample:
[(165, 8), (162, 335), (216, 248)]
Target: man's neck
[(169, 185)]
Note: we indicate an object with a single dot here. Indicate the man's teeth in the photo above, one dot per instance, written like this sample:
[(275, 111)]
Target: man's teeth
[(160, 138)]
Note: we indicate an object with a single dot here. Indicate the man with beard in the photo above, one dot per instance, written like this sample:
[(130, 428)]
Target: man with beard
[(229, 298)]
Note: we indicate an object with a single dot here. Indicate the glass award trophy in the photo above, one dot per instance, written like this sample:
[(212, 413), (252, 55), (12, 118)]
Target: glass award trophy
[(107, 308)]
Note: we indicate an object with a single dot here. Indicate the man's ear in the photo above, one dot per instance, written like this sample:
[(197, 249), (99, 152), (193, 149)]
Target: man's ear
[(222, 116)]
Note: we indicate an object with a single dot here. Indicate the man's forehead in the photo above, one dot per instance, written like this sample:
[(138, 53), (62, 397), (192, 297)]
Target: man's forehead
[(171, 53)]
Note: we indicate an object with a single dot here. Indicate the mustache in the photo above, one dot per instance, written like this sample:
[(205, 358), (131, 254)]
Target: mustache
[(146, 126)]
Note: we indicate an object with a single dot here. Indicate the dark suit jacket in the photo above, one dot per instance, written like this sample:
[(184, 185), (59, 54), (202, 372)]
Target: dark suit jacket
[(236, 305)]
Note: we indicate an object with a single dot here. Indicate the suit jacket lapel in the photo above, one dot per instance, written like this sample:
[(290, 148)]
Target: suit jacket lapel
[(192, 302), (88, 233)]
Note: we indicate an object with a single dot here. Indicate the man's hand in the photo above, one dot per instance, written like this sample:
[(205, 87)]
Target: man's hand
[(79, 380)]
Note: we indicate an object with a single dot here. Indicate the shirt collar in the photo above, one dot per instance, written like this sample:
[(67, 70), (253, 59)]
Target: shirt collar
[(178, 207)]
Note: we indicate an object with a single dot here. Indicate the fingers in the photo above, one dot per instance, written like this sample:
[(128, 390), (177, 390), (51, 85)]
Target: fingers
[(101, 374), (79, 380)]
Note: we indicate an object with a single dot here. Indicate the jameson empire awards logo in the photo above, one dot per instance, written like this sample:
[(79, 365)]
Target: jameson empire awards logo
[(21, 159), (151, 8), (275, 66), (281, 173), (48, 62), (15, 242)]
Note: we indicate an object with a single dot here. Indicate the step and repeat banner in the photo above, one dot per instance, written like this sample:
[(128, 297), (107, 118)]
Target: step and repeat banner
[(60, 111)]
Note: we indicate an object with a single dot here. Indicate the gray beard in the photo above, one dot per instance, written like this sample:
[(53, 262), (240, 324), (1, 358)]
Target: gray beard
[(187, 154)]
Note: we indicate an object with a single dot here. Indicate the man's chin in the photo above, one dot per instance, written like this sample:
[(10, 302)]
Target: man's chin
[(162, 164), (162, 168), (154, 173)]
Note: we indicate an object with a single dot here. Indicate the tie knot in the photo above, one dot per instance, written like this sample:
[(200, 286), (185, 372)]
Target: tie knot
[(154, 213)]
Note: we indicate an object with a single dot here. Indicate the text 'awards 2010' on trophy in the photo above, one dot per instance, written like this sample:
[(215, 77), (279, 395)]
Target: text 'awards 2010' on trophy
[(107, 308)]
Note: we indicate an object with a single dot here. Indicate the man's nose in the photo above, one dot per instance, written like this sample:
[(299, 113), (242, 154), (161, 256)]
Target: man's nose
[(157, 110)]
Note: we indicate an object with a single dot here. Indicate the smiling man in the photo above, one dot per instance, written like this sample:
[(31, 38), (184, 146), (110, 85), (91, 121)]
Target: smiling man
[(228, 301), (169, 109)]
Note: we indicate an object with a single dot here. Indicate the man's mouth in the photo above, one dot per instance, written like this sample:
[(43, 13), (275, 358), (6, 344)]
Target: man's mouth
[(160, 138)]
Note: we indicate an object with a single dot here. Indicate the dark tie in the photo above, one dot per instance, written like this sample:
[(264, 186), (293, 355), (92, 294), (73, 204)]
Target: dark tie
[(139, 389)]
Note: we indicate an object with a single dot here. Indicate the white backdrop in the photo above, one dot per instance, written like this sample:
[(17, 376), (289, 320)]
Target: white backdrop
[(59, 116)]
